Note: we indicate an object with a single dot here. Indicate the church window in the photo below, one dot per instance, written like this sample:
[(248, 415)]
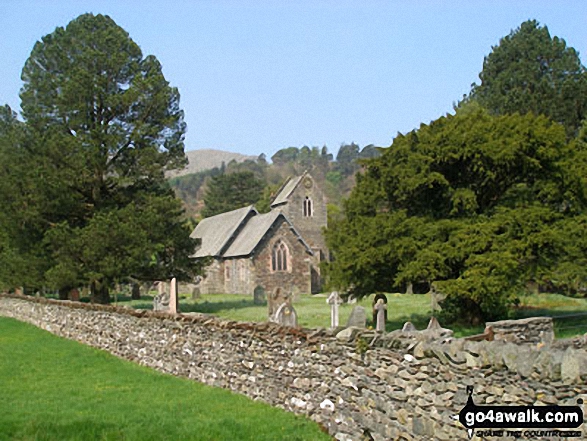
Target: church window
[(279, 257), (308, 209), (227, 270)]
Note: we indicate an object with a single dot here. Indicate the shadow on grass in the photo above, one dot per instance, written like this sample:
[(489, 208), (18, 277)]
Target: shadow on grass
[(207, 307), (566, 323)]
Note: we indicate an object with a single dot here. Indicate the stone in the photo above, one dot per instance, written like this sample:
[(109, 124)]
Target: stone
[(74, 295), (173, 297), (286, 316), (334, 300), (436, 330), (381, 309), (409, 327), (379, 296), (358, 318), (161, 300), (259, 297), (573, 365)]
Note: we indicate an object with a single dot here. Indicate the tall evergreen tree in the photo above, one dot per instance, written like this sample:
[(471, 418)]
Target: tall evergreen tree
[(530, 71), (105, 126), (230, 191)]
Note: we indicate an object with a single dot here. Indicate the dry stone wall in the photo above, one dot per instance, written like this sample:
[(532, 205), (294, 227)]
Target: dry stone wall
[(380, 394)]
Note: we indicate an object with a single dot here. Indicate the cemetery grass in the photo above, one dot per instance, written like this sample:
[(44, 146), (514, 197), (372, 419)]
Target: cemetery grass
[(56, 389), (313, 312)]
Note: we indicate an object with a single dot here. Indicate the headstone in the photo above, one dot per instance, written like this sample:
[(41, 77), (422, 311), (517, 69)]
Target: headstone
[(196, 294), (381, 309), (74, 295), (375, 300), (409, 327), (275, 300), (173, 297), (286, 316), (334, 301), (161, 300), (259, 297), (135, 292), (358, 317)]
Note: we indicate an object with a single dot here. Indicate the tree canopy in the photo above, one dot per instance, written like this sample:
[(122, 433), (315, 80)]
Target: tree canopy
[(103, 125), (530, 71), (477, 204), (230, 191)]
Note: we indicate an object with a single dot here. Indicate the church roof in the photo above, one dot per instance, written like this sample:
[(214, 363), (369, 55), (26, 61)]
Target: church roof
[(254, 231), (286, 190), (238, 232), (216, 231)]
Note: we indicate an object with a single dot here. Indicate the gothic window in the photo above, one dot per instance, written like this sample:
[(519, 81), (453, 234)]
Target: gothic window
[(308, 211), (279, 257)]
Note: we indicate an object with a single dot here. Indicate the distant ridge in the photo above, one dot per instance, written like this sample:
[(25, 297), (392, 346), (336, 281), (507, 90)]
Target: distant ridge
[(206, 159)]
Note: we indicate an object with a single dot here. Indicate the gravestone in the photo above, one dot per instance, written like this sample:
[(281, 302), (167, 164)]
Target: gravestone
[(381, 309), (196, 291), (358, 318), (334, 301), (173, 297), (161, 300), (275, 300), (259, 297), (409, 327), (375, 300), (135, 292), (286, 316), (74, 295)]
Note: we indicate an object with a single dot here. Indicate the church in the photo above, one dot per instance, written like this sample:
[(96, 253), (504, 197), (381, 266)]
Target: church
[(276, 253)]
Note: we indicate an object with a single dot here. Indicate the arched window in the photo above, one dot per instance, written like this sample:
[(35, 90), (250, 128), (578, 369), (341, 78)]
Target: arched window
[(308, 207), (279, 257)]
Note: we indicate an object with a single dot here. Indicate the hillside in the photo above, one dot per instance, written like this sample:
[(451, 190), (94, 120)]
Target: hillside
[(206, 159)]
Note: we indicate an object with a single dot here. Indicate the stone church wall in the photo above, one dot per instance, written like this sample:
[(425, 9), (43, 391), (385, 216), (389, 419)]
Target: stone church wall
[(381, 395), (297, 278), (310, 227)]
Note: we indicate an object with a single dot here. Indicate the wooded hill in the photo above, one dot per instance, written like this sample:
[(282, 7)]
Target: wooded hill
[(256, 181)]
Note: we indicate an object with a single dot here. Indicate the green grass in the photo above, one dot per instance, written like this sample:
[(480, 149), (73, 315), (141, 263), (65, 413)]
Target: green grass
[(55, 389), (313, 312)]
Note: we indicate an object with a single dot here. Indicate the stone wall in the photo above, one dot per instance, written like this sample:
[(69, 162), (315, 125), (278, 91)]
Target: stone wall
[(531, 330), (380, 394)]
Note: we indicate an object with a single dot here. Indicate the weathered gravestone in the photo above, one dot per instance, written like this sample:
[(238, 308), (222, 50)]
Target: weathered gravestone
[(375, 300), (74, 295), (173, 297), (358, 318), (275, 300), (381, 309), (286, 316), (161, 300), (334, 301), (259, 297)]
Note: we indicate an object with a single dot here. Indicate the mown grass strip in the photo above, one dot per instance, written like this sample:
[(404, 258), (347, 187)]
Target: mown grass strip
[(56, 389)]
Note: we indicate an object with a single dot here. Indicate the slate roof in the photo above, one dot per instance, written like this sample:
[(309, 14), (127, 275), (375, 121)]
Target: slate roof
[(254, 231), (216, 231), (238, 232), (286, 190)]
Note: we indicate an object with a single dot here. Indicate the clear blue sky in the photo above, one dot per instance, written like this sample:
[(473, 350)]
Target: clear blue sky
[(258, 76)]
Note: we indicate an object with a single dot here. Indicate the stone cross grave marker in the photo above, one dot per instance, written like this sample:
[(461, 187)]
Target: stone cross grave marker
[(334, 301), (380, 307), (286, 316), (358, 318), (375, 300)]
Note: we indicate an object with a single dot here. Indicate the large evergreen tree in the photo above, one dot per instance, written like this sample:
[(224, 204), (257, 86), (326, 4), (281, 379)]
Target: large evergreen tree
[(530, 71), (230, 191), (104, 126), (476, 204)]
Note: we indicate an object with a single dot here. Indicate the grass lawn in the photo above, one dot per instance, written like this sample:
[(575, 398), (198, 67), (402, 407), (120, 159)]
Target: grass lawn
[(313, 311), (56, 389)]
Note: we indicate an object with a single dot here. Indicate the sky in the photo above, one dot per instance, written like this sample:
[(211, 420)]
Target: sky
[(258, 76)]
